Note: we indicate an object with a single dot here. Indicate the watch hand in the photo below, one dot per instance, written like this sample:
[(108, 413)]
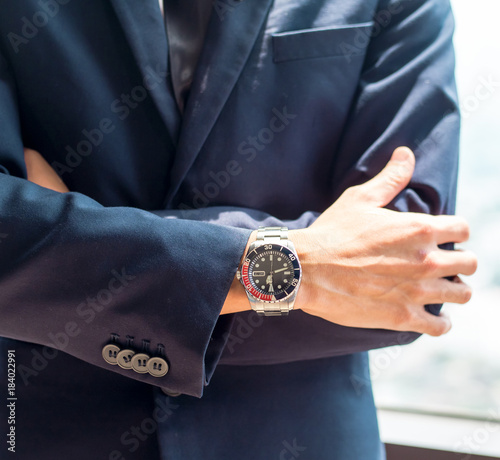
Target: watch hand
[(269, 280), (280, 270)]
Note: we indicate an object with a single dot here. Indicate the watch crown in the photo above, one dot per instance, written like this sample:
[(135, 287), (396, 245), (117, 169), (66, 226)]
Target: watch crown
[(238, 275)]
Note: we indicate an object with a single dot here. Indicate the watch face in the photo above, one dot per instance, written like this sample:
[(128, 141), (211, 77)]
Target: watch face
[(271, 273)]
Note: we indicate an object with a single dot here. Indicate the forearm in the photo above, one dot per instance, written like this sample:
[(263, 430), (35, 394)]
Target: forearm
[(72, 267)]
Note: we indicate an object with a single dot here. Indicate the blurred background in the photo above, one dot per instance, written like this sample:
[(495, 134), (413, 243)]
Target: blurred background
[(459, 374)]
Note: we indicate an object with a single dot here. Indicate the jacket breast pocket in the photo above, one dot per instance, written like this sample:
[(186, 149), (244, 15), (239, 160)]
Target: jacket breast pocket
[(337, 41)]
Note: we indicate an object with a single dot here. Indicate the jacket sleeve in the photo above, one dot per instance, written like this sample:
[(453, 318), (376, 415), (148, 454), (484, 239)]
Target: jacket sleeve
[(73, 272), (407, 96)]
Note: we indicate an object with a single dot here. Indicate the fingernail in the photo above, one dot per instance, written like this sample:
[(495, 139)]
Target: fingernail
[(401, 155)]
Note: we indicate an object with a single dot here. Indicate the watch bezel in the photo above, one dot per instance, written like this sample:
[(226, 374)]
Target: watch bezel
[(269, 298)]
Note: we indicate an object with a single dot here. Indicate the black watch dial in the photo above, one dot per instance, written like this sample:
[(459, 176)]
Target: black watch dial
[(271, 272)]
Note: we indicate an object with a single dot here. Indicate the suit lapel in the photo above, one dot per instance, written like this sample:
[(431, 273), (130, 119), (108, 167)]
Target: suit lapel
[(230, 38), (144, 29)]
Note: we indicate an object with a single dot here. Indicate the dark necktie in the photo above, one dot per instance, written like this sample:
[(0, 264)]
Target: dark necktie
[(186, 23)]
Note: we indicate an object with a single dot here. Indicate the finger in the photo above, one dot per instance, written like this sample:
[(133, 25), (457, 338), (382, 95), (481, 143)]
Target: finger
[(450, 229), (427, 323), (41, 173), (442, 263), (437, 291), (395, 176)]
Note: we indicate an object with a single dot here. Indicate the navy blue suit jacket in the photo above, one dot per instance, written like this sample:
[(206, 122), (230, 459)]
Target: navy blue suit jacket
[(293, 101)]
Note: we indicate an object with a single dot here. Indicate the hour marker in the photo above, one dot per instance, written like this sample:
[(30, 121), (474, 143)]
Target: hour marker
[(257, 265), (279, 286), (285, 281), (287, 273), (285, 264), (261, 273), (279, 259), (263, 259), (271, 257)]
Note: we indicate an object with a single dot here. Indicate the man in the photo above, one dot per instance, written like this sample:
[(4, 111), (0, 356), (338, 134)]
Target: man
[(128, 283)]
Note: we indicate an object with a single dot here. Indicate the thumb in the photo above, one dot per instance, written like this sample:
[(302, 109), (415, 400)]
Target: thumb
[(389, 182)]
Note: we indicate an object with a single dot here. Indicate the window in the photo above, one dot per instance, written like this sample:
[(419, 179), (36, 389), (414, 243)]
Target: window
[(458, 375)]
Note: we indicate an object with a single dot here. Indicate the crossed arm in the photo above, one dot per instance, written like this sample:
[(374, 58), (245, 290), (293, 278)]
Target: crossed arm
[(363, 265)]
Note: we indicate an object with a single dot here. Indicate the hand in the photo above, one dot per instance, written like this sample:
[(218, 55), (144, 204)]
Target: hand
[(41, 173), (365, 266)]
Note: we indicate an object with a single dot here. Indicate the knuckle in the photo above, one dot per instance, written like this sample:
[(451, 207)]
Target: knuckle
[(353, 192), (421, 255), (396, 178), (404, 318), (428, 263), (421, 230), (425, 231), (416, 291)]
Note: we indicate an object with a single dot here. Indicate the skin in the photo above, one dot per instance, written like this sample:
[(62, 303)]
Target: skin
[(363, 265), (41, 173)]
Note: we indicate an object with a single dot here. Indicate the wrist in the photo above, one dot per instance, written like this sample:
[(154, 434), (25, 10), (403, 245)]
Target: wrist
[(301, 241), (236, 299)]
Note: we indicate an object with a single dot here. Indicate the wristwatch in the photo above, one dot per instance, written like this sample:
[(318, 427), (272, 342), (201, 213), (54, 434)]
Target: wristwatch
[(271, 272)]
